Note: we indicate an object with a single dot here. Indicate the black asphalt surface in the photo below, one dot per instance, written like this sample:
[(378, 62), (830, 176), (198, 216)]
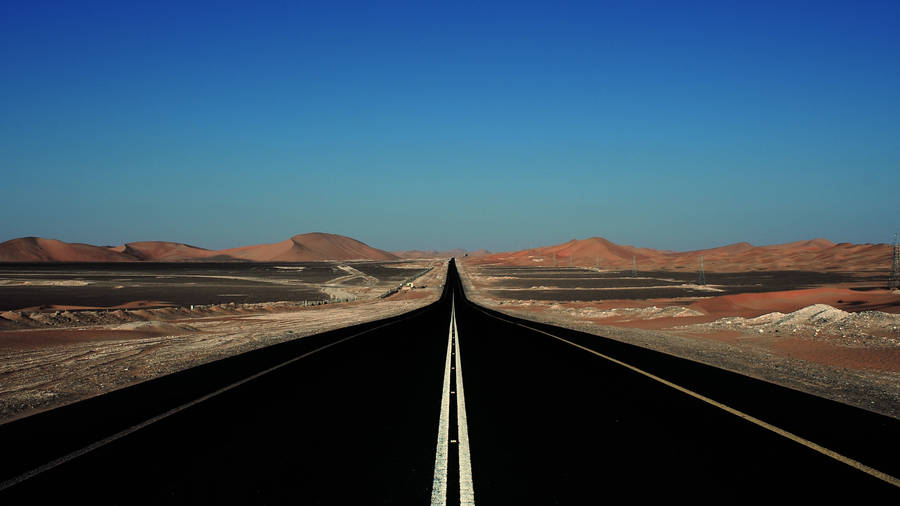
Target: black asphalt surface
[(354, 419)]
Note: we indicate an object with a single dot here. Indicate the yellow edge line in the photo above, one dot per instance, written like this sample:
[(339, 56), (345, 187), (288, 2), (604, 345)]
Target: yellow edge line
[(793, 437)]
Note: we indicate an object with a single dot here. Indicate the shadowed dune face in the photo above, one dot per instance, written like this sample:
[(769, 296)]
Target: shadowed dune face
[(812, 255), (161, 251), (300, 248)]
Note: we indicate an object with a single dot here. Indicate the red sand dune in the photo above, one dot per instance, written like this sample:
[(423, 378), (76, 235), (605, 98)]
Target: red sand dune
[(815, 254), (300, 248), (310, 247), (36, 249), (161, 251)]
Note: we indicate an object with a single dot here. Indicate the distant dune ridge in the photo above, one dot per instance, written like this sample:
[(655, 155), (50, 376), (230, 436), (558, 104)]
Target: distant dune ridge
[(300, 248), (310, 247), (37, 249), (161, 251), (813, 255), (457, 253)]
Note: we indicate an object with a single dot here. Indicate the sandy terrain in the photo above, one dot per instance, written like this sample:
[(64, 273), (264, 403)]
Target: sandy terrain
[(53, 358), (840, 341)]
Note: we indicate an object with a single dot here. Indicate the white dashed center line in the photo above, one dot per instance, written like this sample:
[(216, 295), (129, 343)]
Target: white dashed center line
[(442, 455)]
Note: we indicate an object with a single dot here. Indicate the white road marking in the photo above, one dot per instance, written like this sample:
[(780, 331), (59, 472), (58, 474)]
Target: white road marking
[(466, 487), (777, 430), (439, 487)]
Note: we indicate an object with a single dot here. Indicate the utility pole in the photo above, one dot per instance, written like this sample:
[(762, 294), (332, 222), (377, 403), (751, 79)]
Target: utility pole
[(894, 282), (633, 266), (597, 262), (554, 260), (571, 260), (701, 278)]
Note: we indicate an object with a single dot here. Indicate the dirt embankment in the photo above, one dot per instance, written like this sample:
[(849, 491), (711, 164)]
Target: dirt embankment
[(56, 358), (796, 338)]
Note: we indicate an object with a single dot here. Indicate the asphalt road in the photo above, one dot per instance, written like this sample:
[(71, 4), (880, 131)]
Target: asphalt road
[(355, 416)]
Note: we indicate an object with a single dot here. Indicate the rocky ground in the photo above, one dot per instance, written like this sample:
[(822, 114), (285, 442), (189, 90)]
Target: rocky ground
[(52, 358), (851, 357)]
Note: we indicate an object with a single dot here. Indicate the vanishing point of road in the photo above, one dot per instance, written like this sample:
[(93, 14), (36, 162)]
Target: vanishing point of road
[(450, 404)]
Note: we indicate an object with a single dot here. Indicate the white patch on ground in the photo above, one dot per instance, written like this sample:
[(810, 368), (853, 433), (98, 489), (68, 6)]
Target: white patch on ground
[(819, 320), (339, 293), (243, 278), (638, 313), (691, 286), (43, 282), (355, 273), (351, 275)]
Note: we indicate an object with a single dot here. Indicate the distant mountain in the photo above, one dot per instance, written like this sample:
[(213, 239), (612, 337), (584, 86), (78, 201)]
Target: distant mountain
[(457, 253), (300, 248), (814, 255)]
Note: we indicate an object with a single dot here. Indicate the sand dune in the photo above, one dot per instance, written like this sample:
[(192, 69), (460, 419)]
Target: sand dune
[(310, 247), (815, 254), (37, 249), (300, 248), (161, 251)]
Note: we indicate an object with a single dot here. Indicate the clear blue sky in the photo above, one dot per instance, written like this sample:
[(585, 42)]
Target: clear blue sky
[(675, 125)]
